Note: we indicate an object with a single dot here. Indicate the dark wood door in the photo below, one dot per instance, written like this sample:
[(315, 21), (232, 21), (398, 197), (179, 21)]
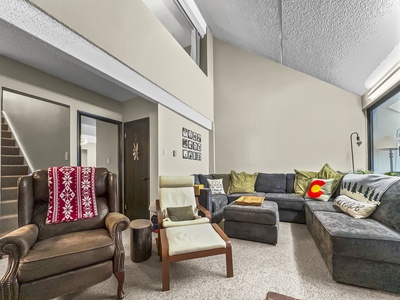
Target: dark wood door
[(137, 169)]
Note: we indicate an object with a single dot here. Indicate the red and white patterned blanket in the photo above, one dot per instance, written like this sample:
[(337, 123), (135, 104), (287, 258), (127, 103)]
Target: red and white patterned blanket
[(72, 194)]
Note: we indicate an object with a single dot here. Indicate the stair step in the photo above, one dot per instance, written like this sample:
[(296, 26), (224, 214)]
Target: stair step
[(9, 181), (9, 207), (14, 170), (8, 150), (8, 223), (6, 134), (12, 159), (4, 126), (8, 142), (9, 193)]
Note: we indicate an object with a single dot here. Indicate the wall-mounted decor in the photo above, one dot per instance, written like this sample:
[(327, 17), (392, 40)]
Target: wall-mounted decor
[(191, 142)]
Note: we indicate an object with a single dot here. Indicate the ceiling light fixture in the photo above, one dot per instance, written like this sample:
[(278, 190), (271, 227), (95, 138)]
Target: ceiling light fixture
[(193, 13)]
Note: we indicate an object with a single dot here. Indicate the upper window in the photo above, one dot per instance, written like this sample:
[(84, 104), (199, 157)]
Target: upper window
[(384, 134)]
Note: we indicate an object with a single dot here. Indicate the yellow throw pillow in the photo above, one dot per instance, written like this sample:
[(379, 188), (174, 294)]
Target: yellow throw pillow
[(302, 180), (328, 173), (242, 182)]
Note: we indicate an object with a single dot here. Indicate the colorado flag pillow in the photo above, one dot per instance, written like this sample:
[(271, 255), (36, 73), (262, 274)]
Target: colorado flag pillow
[(319, 189)]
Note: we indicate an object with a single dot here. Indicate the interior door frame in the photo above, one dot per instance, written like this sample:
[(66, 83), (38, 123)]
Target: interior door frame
[(120, 148)]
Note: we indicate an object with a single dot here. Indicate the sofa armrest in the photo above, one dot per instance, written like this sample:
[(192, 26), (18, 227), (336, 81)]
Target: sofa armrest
[(16, 245), (115, 224), (205, 199)]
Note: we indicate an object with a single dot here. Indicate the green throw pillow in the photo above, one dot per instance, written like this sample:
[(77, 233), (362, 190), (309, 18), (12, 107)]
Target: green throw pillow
[(242, 182), (328, 173), (180, 213), (302, 180)]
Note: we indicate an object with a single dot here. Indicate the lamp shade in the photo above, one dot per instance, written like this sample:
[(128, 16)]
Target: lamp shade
[(388, 142)]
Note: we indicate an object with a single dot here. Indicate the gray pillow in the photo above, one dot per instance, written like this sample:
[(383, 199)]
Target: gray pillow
[(271, 183), (180, 213)]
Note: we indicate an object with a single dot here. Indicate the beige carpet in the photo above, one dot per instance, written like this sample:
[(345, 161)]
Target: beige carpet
[(293, 267)]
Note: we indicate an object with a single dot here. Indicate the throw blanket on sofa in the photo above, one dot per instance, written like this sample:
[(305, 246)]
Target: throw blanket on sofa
[(366, 187), (72, 194)]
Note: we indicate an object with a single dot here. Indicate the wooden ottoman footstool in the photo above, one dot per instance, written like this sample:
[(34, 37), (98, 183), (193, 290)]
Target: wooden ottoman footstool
[(253, 223)]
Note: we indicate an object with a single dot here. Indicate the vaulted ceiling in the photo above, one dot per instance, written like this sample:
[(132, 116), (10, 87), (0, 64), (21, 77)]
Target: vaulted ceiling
[(348, 43)]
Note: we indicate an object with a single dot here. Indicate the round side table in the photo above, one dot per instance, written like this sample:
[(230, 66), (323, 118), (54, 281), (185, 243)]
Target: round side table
[(141, 240)]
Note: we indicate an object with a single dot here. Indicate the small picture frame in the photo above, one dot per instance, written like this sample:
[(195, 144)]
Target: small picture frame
[(184, 132), (194, 136), (190, 155), (190, 134), (190, 144), (184, 154), (199, 137), (199, 147), (184, 143), (199, 156), (195, 146)]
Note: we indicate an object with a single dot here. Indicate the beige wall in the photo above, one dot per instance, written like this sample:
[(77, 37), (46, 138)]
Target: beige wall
[(270, 118), (129, 31), (19, 77), (170, 139), (139, 108)]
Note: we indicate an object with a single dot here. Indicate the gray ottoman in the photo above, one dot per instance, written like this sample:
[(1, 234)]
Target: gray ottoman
[(253, 223)]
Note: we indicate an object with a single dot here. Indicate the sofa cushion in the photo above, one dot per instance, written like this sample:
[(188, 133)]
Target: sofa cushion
[(287, 201), (302, 181), (203, 179), (216, 186), (290, 177), (219, 202), (322, 206), (67, 252), (242, 182), (354, 208), (319, 189), (328, 173), (271, 183), (358, 238), (226, 181), (388, 211)]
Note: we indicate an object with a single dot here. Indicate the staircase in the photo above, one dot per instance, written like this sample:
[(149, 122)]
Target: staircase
[(12, 167)]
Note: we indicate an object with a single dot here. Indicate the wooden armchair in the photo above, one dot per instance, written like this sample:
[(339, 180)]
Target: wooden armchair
[(182, 234)]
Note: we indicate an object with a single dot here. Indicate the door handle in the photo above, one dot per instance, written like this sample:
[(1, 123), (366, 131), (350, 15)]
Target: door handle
[(144, 178)]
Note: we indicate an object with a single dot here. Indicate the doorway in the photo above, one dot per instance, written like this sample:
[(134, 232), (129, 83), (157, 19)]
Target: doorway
[(137, 169), (99, 144)]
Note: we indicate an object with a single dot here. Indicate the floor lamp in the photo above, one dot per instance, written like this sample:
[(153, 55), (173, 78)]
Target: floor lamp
[(358, 141), (388, 143)]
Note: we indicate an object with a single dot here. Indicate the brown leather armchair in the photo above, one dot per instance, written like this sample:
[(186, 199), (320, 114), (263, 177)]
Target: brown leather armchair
[(47, 261)]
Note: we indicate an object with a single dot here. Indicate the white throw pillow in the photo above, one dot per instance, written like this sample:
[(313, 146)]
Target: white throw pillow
[(216, 186), (354, 208)]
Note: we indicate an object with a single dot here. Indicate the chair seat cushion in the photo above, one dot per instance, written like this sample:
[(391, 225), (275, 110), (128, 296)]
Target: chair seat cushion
[(194, 238), (64, 253)]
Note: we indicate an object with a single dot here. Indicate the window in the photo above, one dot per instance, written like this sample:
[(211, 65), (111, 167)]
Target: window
[(384, 134)]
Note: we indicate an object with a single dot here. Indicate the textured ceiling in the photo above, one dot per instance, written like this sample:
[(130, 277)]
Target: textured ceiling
[(341, 42)]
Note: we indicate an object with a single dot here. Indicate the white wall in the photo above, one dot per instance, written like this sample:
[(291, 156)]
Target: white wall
[(139, 108), (270, 118), (129, 31), (19, 77), (170, 139)]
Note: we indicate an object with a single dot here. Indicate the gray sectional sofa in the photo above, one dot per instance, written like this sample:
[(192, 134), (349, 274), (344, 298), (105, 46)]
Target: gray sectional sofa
[(361, 252), (275, 187)]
